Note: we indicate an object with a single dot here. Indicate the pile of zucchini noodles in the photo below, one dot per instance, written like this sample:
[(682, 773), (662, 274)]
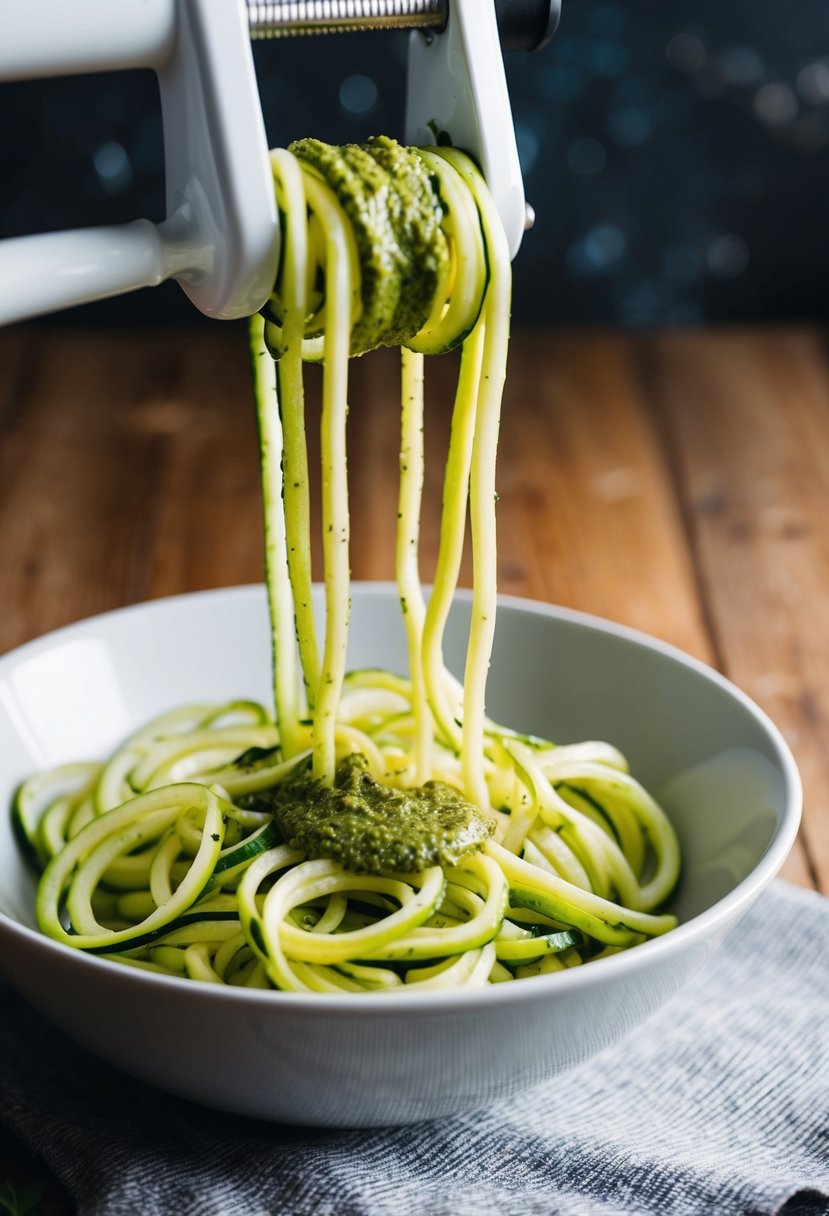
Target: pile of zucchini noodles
[(165, 856)]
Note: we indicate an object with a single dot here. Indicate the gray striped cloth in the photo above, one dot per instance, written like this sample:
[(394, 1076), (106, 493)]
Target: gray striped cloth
[(718, 1106)]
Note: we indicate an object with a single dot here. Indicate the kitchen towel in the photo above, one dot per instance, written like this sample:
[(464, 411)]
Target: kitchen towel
[(717, 1106)]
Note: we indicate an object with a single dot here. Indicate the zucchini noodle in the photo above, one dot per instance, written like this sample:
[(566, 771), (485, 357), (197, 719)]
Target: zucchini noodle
[(380, 832)]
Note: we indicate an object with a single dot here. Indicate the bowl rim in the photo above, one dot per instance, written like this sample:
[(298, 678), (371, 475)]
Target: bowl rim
[(452, 1001)]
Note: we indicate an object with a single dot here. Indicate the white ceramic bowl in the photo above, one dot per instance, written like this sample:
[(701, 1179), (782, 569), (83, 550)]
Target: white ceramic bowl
[(720, 768)]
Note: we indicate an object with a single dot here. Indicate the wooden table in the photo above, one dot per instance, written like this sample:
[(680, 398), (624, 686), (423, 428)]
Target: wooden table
[(677, 483)]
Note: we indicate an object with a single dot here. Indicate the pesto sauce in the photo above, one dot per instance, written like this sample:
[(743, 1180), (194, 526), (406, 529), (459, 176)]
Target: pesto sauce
[(386, 192), (372, 828), (415, 210)]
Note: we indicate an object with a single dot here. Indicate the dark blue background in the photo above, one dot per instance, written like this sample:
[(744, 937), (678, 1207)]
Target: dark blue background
[(675, 152)]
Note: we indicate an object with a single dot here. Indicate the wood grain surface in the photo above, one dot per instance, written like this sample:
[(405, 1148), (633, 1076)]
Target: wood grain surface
[(678, 483)]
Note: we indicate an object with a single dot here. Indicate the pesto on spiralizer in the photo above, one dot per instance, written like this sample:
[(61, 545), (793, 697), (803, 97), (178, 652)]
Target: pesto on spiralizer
[(395, 213)]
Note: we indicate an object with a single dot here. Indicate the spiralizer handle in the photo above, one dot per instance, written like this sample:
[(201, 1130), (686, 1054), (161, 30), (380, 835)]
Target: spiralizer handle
[(53, 38), (221, 237), (60, 269)]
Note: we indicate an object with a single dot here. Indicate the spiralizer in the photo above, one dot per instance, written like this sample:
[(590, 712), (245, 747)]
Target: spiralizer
[(220, 239)]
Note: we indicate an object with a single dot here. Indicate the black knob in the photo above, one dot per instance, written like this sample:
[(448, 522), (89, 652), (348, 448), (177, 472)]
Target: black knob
[(527, 25)]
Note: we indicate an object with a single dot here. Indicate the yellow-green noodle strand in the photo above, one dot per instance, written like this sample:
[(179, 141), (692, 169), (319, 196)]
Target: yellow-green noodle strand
[(295, 489), (452, 529), (482, 495), (334, 474), (154, 812), (276, 545), (406, 562), (459, 300)]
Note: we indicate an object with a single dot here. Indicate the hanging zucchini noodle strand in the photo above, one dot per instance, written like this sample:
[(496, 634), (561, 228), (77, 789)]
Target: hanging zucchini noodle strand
[(379, 833)]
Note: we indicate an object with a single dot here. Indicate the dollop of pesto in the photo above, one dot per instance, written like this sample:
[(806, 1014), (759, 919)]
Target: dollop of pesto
[(386, 191), (372, 828)]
